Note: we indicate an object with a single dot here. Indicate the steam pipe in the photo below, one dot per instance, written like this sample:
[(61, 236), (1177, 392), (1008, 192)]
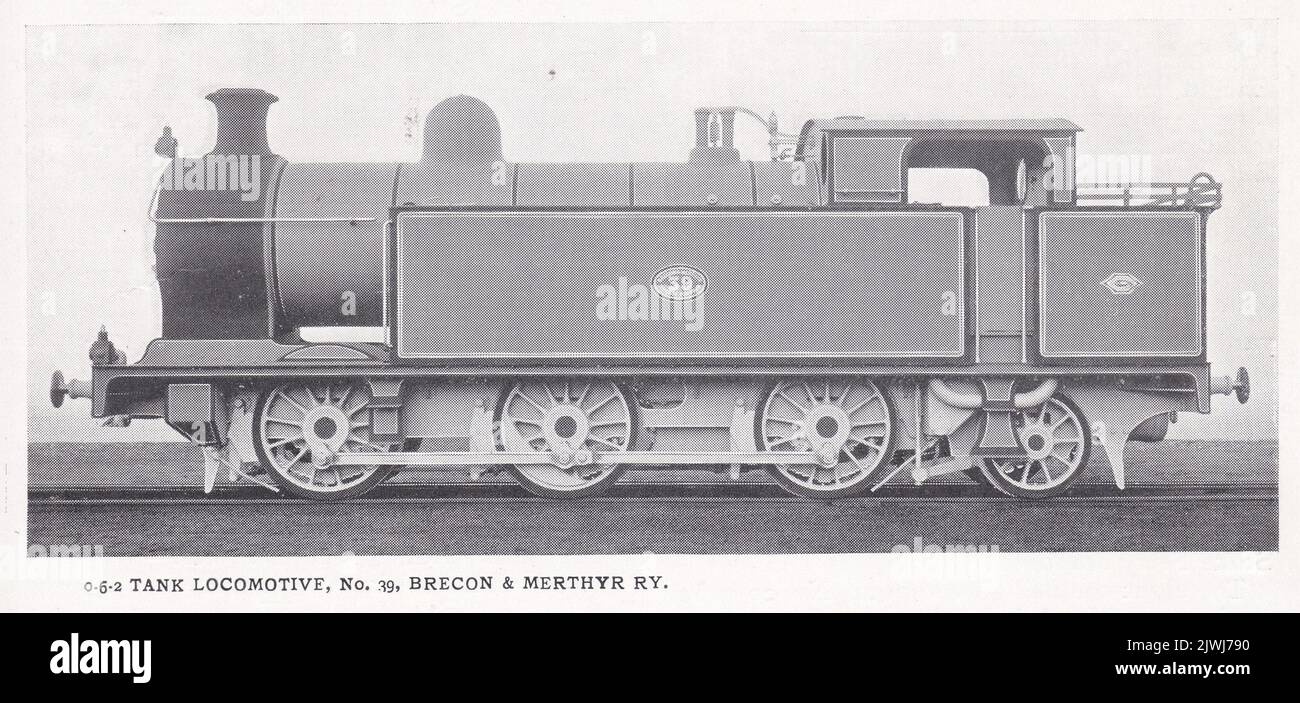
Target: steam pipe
[(974, 401)]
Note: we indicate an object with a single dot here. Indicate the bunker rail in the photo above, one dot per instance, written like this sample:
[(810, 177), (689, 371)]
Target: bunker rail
[(1202, 191)]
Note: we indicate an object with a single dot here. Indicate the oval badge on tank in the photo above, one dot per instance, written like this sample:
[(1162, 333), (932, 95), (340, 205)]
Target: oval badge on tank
[(680, 282)]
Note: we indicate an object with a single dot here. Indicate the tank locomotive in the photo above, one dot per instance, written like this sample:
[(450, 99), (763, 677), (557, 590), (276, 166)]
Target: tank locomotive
[(328, 325)]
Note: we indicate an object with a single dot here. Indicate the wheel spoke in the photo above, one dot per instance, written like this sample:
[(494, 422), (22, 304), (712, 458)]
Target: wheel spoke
[(1069, 463), (521, 394), (592, 410), (790, 400), (283, 421), (878, 447), (1046, 474), (279, 442), (811, 478), (296, 404), (778, 441), (850, 412), (606, 442)]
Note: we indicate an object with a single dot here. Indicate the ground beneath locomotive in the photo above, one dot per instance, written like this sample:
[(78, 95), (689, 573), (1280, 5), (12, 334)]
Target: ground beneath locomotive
[(633, 526)]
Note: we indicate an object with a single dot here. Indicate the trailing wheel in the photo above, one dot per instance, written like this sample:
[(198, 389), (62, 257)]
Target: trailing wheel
[(571, 423), (1056, 440), (849, 425), (299, 427)]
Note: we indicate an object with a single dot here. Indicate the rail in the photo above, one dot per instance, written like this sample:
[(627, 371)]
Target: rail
[(1200, 192), (656, 492)]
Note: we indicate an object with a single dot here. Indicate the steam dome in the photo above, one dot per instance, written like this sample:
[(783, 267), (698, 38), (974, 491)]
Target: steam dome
[(462, 128)]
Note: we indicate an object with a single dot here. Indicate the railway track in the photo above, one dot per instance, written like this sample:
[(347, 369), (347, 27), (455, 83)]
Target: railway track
[(452, 493)]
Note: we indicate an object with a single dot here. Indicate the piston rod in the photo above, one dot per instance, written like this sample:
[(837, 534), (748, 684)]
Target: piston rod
[(541, 458)]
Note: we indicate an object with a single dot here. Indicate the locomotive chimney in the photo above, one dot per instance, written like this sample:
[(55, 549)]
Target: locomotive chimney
[(241, 120)]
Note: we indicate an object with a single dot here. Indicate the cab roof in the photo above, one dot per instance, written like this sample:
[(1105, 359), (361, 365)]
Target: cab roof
[(1054, 124)]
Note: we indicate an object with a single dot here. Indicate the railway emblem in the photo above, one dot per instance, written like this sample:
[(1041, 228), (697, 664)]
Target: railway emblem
[(680, 282), (1121, 283)]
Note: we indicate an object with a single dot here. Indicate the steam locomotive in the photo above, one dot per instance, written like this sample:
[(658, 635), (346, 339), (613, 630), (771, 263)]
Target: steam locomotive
[(328, 325)]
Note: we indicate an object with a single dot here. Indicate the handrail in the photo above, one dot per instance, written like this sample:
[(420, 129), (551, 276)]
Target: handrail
[(153, 207), (1201, 191)]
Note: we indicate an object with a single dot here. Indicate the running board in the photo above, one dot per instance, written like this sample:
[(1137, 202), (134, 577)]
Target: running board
[(577, 458)]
